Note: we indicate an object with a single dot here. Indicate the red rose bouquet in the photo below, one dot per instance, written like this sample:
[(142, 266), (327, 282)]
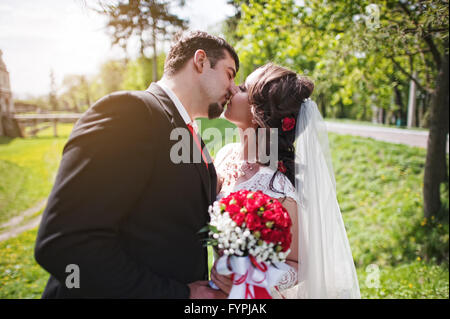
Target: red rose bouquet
[(253, 230)]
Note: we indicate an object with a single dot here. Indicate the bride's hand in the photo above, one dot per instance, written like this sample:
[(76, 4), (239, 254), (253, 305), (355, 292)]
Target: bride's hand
[(223, 282)]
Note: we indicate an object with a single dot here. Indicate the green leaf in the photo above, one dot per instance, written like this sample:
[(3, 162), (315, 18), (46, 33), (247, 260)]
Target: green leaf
[(208, 228)]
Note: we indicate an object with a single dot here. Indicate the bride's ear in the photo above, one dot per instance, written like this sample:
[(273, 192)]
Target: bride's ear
[(199, 61)]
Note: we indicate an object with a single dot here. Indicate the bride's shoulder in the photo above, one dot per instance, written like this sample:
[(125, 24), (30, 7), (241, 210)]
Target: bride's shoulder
[(224, 152)]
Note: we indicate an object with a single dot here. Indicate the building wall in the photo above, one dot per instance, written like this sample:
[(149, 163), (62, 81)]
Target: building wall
[(6, 99)]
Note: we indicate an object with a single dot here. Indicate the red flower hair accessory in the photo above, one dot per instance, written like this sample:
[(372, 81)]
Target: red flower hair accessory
[(281, 167), (288, 124)]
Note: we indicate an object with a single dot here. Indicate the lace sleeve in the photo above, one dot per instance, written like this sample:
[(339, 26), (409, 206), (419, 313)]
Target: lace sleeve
[(282, 186), (282, 183)]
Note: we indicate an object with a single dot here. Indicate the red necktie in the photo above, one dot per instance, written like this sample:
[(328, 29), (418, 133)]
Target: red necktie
[(197, 142)]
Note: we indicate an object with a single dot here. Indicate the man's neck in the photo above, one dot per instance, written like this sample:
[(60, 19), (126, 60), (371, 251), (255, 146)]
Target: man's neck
[(184, 91)]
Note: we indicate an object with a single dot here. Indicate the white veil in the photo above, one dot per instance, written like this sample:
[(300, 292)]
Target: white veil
[(326, 267)]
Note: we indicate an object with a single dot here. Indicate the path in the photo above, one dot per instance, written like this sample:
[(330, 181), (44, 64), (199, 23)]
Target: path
[(386, 134), (14, 226), (18, 230)]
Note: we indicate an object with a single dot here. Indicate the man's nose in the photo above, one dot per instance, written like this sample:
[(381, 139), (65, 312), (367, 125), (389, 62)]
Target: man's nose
[(233, 89)]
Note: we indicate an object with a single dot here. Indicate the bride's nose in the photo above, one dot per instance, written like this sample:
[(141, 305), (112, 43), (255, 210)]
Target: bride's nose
[(233, 90)]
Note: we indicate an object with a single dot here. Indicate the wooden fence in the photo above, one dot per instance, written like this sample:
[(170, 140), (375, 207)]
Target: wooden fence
[(31, 121)]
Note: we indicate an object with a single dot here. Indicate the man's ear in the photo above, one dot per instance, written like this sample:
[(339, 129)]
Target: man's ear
[(200, 59)]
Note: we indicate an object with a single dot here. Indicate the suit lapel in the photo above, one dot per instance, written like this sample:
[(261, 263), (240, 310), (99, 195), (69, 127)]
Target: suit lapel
[(177, 122), (211, 171)]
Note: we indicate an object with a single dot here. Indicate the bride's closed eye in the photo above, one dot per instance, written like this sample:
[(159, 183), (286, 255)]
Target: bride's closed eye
[(242, 88)]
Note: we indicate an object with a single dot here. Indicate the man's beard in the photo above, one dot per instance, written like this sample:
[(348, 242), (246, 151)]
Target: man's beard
[(214, 110)]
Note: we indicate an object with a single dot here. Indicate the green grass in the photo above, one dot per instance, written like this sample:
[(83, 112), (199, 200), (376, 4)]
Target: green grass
[(380, 193), (20, 275), (379, 189), (27, 168), (415, 280)]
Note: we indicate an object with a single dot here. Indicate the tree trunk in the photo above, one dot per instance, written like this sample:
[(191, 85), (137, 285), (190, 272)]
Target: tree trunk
[(323, 105), (420, 113), (1, 120), (380, 115), (341, 110), (412, 103), (436, 164), (155, 57), (399, 103)]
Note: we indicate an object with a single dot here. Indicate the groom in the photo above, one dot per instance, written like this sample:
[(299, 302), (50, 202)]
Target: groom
[(122, 219)]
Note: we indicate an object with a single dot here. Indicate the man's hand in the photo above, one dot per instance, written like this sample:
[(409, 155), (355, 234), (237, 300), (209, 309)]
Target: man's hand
[(223, 282), (202, 290)]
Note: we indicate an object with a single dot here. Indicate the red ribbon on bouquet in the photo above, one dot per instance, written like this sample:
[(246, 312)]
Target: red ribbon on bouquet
[(258, 291), (251, 279)]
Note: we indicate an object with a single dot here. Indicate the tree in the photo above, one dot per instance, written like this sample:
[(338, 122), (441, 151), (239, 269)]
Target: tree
[(418, 33), (436, 164), (362, 56), (77, 92), (53, 94), (231, 23), (111, 77), (148, 21), (137, 74)]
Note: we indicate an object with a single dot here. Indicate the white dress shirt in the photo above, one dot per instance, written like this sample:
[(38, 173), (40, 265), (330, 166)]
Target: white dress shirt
[(184, 114)]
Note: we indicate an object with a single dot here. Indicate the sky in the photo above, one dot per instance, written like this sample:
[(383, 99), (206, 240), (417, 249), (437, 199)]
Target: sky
[(62, 35)]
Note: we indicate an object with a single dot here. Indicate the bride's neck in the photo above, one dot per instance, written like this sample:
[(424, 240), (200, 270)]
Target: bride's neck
[(248, 147)]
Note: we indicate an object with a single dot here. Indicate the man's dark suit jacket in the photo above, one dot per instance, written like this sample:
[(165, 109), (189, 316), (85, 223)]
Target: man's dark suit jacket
[(121, 210)]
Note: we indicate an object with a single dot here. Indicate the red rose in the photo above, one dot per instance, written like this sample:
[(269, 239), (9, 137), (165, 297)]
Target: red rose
[(254, 222), (282, 221), (266, 234), (226, 200), (287, 240), (239, 218), (281, 167), (280, 216), (260, 201), (251, 206), (233, 209), (288, 124), (272, 236), (269, 215)]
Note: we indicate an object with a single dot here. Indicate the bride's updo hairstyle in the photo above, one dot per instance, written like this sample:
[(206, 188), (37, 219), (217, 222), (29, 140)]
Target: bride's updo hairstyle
[(275, 98)]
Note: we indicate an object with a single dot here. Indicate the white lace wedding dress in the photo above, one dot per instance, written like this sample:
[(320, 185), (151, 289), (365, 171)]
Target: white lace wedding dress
[(260, 180)]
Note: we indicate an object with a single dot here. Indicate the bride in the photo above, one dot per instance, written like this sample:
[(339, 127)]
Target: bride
[(274, 97)]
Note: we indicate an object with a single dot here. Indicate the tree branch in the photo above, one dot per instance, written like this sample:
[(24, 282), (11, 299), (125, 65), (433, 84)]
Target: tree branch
[(436, 55), (427, 37), (425, 89), (415, 30), (322, 29)]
